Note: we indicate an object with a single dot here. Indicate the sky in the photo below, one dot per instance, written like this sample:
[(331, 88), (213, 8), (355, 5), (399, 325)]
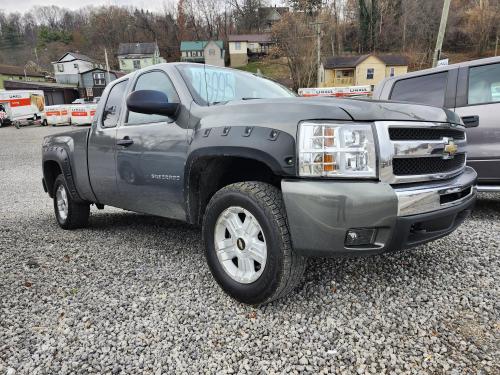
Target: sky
[(24, 5)]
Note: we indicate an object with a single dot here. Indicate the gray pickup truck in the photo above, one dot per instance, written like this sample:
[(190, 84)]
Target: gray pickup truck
[(472, 90), (272, 178)]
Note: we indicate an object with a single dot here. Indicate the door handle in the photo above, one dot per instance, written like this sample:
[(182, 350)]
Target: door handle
[(125, 141), (471, 121)]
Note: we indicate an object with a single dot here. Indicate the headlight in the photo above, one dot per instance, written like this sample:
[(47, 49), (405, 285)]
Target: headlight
[(336, 150)]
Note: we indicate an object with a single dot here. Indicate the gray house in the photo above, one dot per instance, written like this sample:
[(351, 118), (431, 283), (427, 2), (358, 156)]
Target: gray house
[(93, 81)]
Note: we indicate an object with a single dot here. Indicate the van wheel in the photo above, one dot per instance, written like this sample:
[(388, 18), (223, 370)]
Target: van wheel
[(69, 214), (247, 243)]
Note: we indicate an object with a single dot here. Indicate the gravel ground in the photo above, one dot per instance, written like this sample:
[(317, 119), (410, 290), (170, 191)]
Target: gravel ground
[(132, 294)]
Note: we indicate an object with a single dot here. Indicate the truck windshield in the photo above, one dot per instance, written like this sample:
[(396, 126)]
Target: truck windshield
[(210, 85)]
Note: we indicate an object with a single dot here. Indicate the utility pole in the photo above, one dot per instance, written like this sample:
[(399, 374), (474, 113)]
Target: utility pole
[(442, 29), (318, 50), (107, 64), (36, 56), (496, 46)]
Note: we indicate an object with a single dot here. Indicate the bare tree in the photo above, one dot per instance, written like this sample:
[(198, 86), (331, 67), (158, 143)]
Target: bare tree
[(294, 38)]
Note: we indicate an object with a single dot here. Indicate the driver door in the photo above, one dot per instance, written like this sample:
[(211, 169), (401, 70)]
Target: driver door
[(151, 154)]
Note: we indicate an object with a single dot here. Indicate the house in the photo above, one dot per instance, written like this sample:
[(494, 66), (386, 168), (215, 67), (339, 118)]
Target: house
[(201, 51), (134, 56), (340, 71), (93, 81), (268, 16), (245, 46), (18, 73), (70, 65)]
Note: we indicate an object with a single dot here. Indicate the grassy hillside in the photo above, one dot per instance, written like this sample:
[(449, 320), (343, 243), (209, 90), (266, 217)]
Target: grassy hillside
[(272, 68)]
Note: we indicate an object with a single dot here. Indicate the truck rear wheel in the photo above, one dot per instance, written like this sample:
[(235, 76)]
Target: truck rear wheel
[(247, 243), (69, 214)]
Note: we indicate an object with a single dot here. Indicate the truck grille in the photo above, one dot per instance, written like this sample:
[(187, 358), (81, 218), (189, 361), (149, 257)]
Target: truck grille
[(420, 151), (420, 134), (429, 165)]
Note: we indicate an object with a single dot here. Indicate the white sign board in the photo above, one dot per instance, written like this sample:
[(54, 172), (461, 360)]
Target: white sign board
[(443, 62)]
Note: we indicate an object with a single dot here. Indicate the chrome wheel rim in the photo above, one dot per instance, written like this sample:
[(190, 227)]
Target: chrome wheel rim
[(240, 245), (62, 202)]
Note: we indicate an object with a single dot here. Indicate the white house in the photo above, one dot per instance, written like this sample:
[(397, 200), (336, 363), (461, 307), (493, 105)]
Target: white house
[(133, 56), (245, 46), (209, 52), (68, 67)]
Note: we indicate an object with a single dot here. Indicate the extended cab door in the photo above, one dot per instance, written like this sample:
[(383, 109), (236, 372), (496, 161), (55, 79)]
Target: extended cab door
[(151, 154), (101, 145), (478, 94)]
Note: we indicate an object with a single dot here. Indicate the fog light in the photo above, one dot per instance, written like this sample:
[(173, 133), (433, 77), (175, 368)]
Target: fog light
[(360, 237)]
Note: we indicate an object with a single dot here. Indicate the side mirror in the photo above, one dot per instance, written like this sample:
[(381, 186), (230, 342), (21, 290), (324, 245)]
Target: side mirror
[(151, 102), (471, 121)]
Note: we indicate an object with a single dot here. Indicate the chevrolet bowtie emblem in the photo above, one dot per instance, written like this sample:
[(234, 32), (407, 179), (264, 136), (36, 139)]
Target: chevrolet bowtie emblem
[(450, 148)]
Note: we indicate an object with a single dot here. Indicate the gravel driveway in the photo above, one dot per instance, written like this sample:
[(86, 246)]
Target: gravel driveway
[(132, 294)]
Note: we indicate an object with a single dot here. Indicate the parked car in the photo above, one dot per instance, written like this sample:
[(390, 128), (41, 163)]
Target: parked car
[(272, 178), (472, 90), (85, 101)]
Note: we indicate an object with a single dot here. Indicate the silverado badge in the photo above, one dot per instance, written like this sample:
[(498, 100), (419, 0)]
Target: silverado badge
[(450, 148)]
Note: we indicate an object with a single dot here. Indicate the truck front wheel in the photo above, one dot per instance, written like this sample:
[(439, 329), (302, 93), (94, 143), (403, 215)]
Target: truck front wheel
[(69, 213), (247, 243)]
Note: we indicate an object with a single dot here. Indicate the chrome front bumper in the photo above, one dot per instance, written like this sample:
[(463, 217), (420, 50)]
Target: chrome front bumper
[(436, 196)]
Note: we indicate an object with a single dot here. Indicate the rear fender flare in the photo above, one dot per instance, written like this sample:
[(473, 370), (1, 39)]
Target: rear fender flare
[(61, 157)]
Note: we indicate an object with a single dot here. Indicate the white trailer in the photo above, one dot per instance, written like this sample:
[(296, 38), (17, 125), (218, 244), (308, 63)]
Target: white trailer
[(82, 114), (348, 91), (21, 105), (57, 115)]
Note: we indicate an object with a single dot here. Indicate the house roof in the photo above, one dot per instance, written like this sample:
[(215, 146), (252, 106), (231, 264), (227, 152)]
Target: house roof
[(17, 71), (257, 38), (78, 56), (353, 61), (198, 45), (394, 60), (117, 73), (271, 13), (35, 85), (137, 48)]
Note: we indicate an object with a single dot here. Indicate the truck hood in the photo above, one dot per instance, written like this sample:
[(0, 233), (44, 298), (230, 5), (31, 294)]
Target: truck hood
[(285, 113)]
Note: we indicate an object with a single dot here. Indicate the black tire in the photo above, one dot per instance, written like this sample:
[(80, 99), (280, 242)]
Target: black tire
[(77, 213), (283, 269), (44, 122)]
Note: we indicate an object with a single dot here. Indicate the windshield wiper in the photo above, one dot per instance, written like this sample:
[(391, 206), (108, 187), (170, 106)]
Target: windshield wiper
[(249, 98)]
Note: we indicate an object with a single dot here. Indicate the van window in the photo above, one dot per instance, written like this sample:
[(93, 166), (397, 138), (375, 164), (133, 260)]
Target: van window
[(484, 84), (429, 89), (111, 112)]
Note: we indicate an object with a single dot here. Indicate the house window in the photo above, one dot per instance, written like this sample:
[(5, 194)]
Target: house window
[(137, 64), (237, 46), (391, 71), (99, 79), (75, 66), (369, 73), (60, 67)]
